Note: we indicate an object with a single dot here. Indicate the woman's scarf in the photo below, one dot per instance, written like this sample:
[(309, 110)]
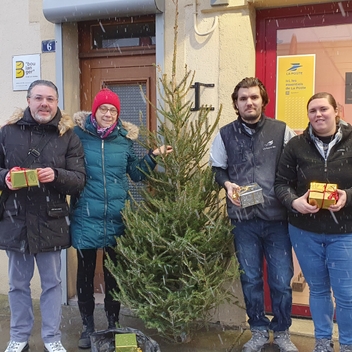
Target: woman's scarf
[(103, 132)]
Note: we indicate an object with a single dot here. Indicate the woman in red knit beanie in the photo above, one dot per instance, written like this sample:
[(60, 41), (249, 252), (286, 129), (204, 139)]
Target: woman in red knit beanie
[(106, 96), (96, 216)]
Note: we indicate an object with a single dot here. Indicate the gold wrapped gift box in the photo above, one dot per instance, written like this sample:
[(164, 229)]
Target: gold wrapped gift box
[(24, 178), (249, 195), (322, 194), (126, 343)]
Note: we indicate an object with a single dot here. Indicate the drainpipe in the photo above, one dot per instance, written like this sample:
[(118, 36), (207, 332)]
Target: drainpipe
[(60, 86), (215, 23)]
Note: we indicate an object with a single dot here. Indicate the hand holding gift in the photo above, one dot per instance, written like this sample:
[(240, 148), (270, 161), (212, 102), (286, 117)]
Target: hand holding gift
[(250, 195), (326, 196), (18, 178), (8, 180), (46, 175), (302, 205), (232, 189), (323, 194), (341, 202)]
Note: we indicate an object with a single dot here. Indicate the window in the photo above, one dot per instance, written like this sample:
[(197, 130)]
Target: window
[(123, 35)]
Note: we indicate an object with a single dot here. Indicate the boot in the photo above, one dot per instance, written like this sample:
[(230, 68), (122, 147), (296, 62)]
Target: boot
[(113, 321), (88, 329), (112, 311)]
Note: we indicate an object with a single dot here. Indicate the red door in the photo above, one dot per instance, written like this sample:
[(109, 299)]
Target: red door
[(324, 30)]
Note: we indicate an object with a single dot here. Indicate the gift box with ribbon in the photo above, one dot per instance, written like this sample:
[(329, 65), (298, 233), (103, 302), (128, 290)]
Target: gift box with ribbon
[(116, 339), (24, 178), (249, 195), (323, 194), (126, 343)]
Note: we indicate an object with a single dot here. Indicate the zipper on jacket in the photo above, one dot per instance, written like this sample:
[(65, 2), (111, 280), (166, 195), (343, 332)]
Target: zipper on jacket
[(326, 165), (104, 185), (255, 210)]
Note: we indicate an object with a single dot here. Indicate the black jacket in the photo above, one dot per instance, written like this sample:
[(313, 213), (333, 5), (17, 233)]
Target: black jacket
[(36, 218), (302, 163)]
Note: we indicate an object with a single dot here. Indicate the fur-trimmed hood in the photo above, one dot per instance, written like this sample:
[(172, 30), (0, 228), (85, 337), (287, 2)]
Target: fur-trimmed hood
[(65, 122), (132, 130)]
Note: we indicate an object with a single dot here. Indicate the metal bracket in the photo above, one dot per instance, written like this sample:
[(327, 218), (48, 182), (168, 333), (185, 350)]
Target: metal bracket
[(197, 86)]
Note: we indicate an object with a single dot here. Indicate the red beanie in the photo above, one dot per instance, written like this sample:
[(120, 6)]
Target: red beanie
[(105, 96)]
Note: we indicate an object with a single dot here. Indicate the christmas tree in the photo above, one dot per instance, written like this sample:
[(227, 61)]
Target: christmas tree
[(176, 259)]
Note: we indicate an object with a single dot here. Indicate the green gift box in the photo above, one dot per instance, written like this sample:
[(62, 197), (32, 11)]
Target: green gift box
[(24, 178), (126, 343)]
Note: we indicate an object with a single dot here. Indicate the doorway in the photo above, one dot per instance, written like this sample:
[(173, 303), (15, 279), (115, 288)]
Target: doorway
[(120, 54), (325, 32)]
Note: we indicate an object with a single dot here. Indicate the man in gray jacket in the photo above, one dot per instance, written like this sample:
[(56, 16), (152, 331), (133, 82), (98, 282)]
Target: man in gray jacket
[(35, 225), (247, 151)]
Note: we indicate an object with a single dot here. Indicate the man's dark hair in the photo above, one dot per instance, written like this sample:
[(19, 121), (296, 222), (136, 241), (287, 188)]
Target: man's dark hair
[(42, 82), (249, 82)]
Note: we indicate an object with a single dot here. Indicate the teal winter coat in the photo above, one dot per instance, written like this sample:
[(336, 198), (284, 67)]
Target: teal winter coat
[(96, 215)]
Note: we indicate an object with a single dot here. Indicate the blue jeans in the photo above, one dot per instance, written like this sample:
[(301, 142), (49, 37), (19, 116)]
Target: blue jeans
[(326, 263), (255, 240)]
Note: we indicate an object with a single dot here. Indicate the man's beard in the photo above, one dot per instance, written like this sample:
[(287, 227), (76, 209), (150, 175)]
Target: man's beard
[(251, 117), (42, 119)]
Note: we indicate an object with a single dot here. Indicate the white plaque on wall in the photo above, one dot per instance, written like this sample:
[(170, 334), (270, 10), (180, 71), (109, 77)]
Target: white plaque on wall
[(25, 70)]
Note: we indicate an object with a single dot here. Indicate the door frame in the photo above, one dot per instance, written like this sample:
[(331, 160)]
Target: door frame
[(268, 21), (101, 67)]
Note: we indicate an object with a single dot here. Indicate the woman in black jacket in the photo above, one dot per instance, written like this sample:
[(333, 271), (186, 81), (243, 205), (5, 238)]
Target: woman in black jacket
[(322, 238)]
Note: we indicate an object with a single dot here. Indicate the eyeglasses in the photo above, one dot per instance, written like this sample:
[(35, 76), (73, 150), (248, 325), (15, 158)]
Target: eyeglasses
[(104, 110), (40, 99)]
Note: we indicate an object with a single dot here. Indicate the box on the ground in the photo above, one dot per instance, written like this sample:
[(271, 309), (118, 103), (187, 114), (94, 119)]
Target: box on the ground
[(126, 343)]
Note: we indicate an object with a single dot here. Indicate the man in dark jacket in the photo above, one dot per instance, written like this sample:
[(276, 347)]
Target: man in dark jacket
[(35, 223), (247, 151)]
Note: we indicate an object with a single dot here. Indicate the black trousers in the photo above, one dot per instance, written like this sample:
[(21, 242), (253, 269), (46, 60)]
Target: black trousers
[(85, 282)]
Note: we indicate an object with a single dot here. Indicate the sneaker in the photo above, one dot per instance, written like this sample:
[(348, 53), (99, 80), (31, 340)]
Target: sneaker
[(257, 342), (54, 347), (14, 346), (323, 345), (283, 341), (345, 348)]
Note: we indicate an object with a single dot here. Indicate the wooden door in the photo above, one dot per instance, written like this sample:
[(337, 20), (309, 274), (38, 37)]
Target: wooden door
[(119, 73)]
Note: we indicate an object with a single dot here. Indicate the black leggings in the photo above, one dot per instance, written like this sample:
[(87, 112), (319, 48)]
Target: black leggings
[(85, 281)]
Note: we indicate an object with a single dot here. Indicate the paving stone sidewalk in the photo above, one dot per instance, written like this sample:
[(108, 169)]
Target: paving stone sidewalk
[(217, 339)]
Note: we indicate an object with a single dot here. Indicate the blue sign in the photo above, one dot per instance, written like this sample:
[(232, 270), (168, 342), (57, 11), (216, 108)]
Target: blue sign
[(48, 46)]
